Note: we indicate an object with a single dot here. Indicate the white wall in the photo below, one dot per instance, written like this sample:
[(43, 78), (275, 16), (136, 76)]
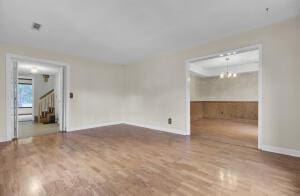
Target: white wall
[(154, 93), (242, 88), (156, 87), (97, 88)]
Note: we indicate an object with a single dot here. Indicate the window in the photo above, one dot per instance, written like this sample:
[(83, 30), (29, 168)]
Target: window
[(24, 95)]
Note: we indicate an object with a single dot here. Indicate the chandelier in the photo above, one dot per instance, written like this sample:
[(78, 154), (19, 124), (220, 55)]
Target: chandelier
[(228, 74)]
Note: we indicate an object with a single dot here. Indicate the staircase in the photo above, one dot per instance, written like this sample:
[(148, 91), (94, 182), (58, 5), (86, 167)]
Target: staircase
[(47, 108)]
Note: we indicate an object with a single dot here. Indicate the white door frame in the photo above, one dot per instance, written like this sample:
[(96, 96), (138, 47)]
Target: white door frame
[(260, 88), (9, 60)]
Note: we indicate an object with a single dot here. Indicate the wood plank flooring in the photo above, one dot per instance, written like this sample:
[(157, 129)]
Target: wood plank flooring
[(242, 133), (128, 160), (30, 129)]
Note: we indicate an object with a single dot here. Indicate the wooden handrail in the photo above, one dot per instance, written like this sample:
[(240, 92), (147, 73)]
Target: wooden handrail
[(46, 102), (48, 93)]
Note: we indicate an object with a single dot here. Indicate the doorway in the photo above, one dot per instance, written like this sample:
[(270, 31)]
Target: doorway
[(224, 97), (36, 98)]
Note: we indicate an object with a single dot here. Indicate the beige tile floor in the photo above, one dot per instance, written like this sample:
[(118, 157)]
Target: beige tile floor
[(31, 129)]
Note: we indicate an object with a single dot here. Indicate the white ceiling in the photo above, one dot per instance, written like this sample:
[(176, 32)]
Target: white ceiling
[(126, 31), (25, 68), (241, 62)]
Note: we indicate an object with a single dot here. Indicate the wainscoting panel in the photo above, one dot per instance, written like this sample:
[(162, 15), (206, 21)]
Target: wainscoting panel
[(244, 110), (197, 110)]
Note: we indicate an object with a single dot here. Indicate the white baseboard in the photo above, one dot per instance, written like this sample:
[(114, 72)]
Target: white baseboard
[(169, 130), (279, 150), (94, 126), (175, 131)]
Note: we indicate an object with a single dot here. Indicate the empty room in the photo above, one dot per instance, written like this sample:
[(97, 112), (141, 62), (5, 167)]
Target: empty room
[(161, 97), (225, 97)]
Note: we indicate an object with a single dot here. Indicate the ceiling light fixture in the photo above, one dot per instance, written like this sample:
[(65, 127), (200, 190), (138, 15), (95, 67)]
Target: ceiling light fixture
[(228, 74), (221, 55), (222, 75), (34, 70)]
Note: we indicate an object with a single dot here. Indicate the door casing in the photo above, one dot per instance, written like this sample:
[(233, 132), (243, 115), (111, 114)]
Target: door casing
[(11, 92)]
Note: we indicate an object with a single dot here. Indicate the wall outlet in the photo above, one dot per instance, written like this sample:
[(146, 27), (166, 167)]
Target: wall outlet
[(170, 121)]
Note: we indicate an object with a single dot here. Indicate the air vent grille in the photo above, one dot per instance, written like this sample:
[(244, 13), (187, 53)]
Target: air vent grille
[(36, 26)]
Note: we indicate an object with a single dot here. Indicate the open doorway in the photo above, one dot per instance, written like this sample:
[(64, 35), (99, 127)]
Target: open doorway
[(36, 97), (38, 92), (225, 97)]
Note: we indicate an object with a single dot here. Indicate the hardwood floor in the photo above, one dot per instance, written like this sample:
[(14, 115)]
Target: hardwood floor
[(128, 160), (242, 133), (31, 129)]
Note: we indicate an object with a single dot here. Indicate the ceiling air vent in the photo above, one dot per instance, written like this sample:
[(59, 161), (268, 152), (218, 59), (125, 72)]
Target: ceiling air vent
[(36, 26)]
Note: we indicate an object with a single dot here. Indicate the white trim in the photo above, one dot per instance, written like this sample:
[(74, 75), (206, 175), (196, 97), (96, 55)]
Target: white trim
[(95, 126), (60, 77), (227, 99), (8, 61), (174, 131), (187, 99), (260, 99), (8, 134), (279, 150), (33, 93), (37, 60), (260, 87)]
